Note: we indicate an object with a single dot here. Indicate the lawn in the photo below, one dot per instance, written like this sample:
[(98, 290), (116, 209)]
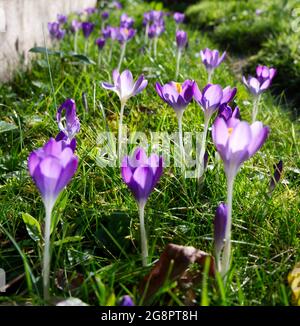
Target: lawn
[(95, 239)]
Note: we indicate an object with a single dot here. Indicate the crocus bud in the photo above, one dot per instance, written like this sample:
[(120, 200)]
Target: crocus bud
[(126, 301), (178, 17), (181, 39), (100, 42), (220, 223), (87, 28)]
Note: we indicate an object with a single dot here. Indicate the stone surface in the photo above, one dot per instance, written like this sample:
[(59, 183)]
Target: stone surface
[(21, 24)]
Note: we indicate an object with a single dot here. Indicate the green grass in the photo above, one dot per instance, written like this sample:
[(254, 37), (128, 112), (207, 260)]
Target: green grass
[(98, 214)]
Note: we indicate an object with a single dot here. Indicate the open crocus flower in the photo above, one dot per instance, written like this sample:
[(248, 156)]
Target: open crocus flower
[(141, 175), (178, 17), (125, 34), (126, 21), (51, 168), (209, 100), (178, 96), (236, 141), (125, 87), (256, 86), (220, 223), (211, 60), (228, 95), (70, 125), (263, 72), (87, 28)]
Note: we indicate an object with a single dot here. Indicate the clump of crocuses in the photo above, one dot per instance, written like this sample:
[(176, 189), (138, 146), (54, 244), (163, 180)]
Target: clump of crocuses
[(257, 85), (236, 141), (141, 174)]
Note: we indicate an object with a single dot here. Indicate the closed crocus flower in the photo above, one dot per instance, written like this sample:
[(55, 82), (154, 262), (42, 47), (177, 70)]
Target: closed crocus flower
[(141, 174), (52, 168), (125, 86), (220, 223), (106, 32), (105, 15), (226, 112), (69, 125), (177, 95), (100, 42), (55, 31), (181, 39), (126, 301), (62, 19), (90, 10), (87, 28), (178, 17), (75, 26)]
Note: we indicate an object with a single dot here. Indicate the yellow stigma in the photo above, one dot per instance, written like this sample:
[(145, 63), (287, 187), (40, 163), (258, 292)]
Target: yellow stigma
[(178, 87), (230, 130), (126, 31)]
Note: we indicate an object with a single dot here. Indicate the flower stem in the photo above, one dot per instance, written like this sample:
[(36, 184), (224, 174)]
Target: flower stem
[(99, 59), (209, 77), (120, 130), (110, 51), (46, 254), (143, 233), (178, 57), (255, 107), (75, 41), (123, 50), (179, 118), (86, 45), (155, 46), (146, 33), (227, 248), (203, 147)]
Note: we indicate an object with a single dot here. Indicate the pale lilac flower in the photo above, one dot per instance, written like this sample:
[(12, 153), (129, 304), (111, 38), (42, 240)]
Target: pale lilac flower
[(75, 26), (126, 21), (181, 39), (178, 17), (124, 85), (124, 34), (211, 58)]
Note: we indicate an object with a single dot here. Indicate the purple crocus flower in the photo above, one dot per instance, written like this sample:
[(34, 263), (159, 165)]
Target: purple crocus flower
[(278, 168), (125, 34), (105, 15), (226, 112), (181, 39), (220, 223), (55, 31), (69, 125), (75, 26), (159, 28), (147, 18), (237, 141), (62, 19), (90, 10), (228, 95), (100, 42), (106, 32), (141, 173), (126, 301), (211, 58), (117, 5), (263, 80), (152, 31), (178, 17), (157, 16), (124, 85), (52, 168), (87, 28), (209, 99), (126, 21), (177, 95)]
